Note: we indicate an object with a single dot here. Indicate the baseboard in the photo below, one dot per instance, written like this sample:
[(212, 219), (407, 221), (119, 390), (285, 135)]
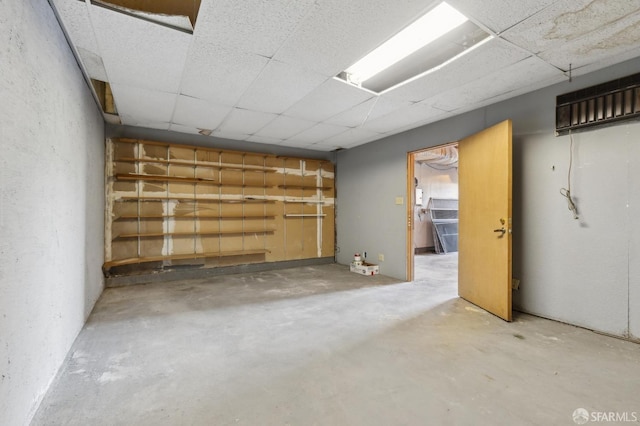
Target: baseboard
[(627, 337), (195, 272)]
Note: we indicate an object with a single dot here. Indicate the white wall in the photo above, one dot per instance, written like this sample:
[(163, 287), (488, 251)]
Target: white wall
[(51, 204), (585, 272), (436, 183)]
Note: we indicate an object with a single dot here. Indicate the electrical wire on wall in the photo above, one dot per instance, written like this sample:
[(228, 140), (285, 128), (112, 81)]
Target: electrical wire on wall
[(566, 192)]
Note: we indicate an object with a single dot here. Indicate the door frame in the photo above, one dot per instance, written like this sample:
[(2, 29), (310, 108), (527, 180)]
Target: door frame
[(411, 196)]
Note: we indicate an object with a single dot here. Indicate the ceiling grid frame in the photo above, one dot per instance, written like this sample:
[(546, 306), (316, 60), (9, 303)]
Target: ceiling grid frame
[(297, 48)]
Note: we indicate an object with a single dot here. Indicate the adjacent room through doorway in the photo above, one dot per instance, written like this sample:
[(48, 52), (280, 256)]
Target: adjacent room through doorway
[(434, 211)]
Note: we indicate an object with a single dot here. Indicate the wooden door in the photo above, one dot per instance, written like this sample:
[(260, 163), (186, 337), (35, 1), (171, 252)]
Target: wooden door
[(484, 238)]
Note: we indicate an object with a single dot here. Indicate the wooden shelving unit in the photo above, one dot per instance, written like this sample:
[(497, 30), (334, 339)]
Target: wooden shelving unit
[(199, 217), (195, 199), (191, 234), (173, 203)]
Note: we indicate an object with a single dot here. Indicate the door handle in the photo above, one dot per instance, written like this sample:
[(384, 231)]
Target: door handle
[(500, 230)]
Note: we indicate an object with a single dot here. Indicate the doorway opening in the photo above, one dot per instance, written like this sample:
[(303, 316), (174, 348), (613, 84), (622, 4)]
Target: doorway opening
[(484, 241), (433, 215)]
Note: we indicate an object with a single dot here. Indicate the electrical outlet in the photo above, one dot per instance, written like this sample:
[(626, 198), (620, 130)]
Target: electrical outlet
[(381, 257)]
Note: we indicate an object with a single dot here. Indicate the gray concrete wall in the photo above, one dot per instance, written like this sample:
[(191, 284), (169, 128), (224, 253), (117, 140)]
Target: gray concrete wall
[(51, 204), (584, 272)]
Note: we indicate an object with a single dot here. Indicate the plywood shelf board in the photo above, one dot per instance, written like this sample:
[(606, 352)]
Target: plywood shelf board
[(134, 177), (194, 199), (304, 187), (216, 217), (133, 260), (247, 168), (181, 179), (244, 185), (193, 234), (195, 163)]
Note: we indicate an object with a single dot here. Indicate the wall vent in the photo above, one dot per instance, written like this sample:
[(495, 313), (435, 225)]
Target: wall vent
[(599, 105)]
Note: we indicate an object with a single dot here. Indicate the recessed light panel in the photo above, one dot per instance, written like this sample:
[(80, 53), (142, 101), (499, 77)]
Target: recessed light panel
[(438, 36)]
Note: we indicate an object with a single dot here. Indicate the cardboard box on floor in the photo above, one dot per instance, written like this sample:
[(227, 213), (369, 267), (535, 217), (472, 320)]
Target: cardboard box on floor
[(365, 268)]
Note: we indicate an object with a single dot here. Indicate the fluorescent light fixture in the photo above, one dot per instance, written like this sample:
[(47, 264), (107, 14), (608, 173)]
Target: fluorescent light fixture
[(437, 22)]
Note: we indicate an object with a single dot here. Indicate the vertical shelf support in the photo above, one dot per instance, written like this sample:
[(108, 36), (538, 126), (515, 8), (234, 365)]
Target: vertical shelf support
[(196, 219), (138, 154)]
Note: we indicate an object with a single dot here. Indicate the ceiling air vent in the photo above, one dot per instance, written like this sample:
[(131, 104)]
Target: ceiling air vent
[(599, 105)]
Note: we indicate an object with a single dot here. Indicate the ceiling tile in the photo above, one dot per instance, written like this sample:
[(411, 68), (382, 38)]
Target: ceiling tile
[(367, 110), (264, 139), (568, 20), (318, 133), (499, 15), (533, 71), (278, 87), (219, 74), (263, 71), (337, 33), (417, 114), (608, 61), (283, 127), (193, 112), (476, 63), (139, 53), (255, 26), (75, 17), (329, 99), (243, 121), (93, 65), (612, 41), (139, 106), (351, 138), (295, 144)]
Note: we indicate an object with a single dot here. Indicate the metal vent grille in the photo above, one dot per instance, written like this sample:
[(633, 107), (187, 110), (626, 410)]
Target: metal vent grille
[(599, 105)]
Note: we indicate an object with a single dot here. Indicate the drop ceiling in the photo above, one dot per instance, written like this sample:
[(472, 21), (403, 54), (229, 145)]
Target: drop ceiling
[(264, 70)]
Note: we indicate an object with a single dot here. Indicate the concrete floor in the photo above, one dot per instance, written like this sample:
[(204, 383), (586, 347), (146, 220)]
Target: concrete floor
[(323, 346)]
